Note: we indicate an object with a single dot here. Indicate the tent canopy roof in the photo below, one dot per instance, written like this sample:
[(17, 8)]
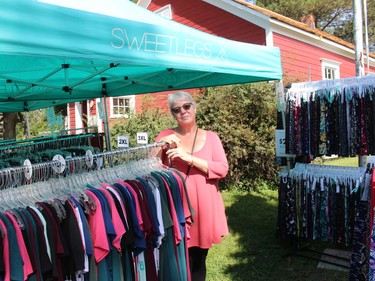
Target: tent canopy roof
[(52, 55)]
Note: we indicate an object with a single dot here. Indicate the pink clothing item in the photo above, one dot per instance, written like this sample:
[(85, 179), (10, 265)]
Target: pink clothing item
[(210, 222), (97, 227), (137, 204), (117, 222), (120, 201), (27, 266), (6, 252)]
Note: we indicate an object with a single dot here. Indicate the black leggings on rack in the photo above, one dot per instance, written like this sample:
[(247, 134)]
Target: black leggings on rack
[(197, 259)]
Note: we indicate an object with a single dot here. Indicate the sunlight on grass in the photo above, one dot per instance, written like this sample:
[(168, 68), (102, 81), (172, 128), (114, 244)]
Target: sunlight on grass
[(340, 161), (251, 251)]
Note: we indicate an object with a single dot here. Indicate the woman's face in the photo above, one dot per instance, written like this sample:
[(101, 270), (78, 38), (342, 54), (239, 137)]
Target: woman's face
[(184, 111)]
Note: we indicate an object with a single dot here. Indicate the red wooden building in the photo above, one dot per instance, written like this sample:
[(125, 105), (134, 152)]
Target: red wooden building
[(307, 53)]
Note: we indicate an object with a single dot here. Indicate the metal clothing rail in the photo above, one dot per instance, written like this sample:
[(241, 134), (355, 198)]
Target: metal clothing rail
[(42, 142), (64, 167), (312, 86)]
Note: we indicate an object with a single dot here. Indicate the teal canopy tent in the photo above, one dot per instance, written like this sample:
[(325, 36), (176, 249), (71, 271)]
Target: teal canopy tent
[(52, 55)]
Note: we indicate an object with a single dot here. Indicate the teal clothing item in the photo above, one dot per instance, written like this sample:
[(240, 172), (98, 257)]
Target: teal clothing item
[(127, 264), (168, 265), (103, 271), (29, 237), (16, 263), (181, 247), (116, 265)]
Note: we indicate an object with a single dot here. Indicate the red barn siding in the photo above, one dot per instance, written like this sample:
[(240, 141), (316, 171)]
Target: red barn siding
[(299, 60), (72, 115), (212, 20)]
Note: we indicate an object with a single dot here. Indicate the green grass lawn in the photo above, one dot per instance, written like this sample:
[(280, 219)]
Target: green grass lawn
[(252, 252), (348, 161)]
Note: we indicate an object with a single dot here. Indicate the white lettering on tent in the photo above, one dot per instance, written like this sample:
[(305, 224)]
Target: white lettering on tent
[(165, 44)]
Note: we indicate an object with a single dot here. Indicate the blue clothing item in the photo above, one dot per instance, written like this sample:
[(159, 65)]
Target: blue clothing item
[(139, 239), (16, 262), (152, 206), (86, 230), (359, 262)]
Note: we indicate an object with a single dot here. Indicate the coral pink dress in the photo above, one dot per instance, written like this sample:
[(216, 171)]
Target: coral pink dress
[(210, 222)]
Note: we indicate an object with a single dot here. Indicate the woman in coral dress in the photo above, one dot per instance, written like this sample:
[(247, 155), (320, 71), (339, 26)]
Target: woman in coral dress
[(199, 155)]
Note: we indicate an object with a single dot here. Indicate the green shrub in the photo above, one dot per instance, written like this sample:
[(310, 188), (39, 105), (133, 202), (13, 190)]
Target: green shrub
[(152, 120), (244, 116)]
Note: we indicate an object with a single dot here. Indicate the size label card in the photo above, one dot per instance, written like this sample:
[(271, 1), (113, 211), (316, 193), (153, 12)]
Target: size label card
[(123, 141), (142, 138)]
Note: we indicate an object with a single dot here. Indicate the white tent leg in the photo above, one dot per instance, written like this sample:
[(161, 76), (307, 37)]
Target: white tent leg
[(106, 125), (27, 125)]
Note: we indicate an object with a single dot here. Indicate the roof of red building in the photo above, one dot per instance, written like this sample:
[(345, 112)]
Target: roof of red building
[(298, 24)]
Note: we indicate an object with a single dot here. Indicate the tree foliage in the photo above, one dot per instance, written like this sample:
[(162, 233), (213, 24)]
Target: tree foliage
[(335, 17), (244, 116), (151, 120)]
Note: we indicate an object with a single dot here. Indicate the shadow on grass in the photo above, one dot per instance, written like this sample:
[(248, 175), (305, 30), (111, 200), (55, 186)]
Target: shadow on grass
[(260, 255)]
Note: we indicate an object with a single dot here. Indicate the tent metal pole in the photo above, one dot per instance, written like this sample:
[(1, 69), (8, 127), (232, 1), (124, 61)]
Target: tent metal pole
[(27, 125), (106, 125)]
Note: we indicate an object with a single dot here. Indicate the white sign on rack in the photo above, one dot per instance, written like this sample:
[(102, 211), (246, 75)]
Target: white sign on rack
[(142, 138), (123, 141), (280, 143)]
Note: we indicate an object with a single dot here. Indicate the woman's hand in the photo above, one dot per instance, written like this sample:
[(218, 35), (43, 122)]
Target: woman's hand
[(178, 152), (172, 141)]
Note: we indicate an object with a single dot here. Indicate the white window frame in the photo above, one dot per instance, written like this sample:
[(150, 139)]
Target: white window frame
[(131, 107), (331, 65)]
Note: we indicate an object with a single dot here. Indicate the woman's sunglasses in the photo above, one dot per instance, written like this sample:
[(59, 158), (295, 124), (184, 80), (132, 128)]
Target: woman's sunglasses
[(185, 106)]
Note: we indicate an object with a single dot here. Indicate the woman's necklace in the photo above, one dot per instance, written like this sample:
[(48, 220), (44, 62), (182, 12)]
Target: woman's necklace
[(192, 150)]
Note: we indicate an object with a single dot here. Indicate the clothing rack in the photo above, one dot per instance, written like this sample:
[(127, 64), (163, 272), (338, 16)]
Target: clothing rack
[(134, 209), (320, 202), (43, 142), (63, 167), (333, 84), (331, 117)]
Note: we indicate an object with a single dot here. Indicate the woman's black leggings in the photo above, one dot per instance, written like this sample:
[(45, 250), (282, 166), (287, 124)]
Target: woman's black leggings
[(197, 260)]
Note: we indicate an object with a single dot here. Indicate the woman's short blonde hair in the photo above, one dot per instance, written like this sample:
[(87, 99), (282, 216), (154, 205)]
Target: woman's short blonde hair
[(177, 96)]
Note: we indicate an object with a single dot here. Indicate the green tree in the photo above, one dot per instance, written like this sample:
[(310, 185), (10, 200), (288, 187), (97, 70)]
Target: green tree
[(37, 124), (335, 17)]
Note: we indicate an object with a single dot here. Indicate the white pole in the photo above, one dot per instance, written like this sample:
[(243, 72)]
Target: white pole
[(358, 48), (27, 125), (366, 36), (358, 36), (106, 125)]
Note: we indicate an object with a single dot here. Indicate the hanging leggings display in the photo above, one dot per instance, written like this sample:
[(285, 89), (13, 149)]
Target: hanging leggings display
[(334, 120), (319, 204), (328, 203)]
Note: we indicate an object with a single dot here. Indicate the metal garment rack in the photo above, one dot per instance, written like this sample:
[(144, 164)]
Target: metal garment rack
[(63, 167), (301, 249), (30, 143)]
